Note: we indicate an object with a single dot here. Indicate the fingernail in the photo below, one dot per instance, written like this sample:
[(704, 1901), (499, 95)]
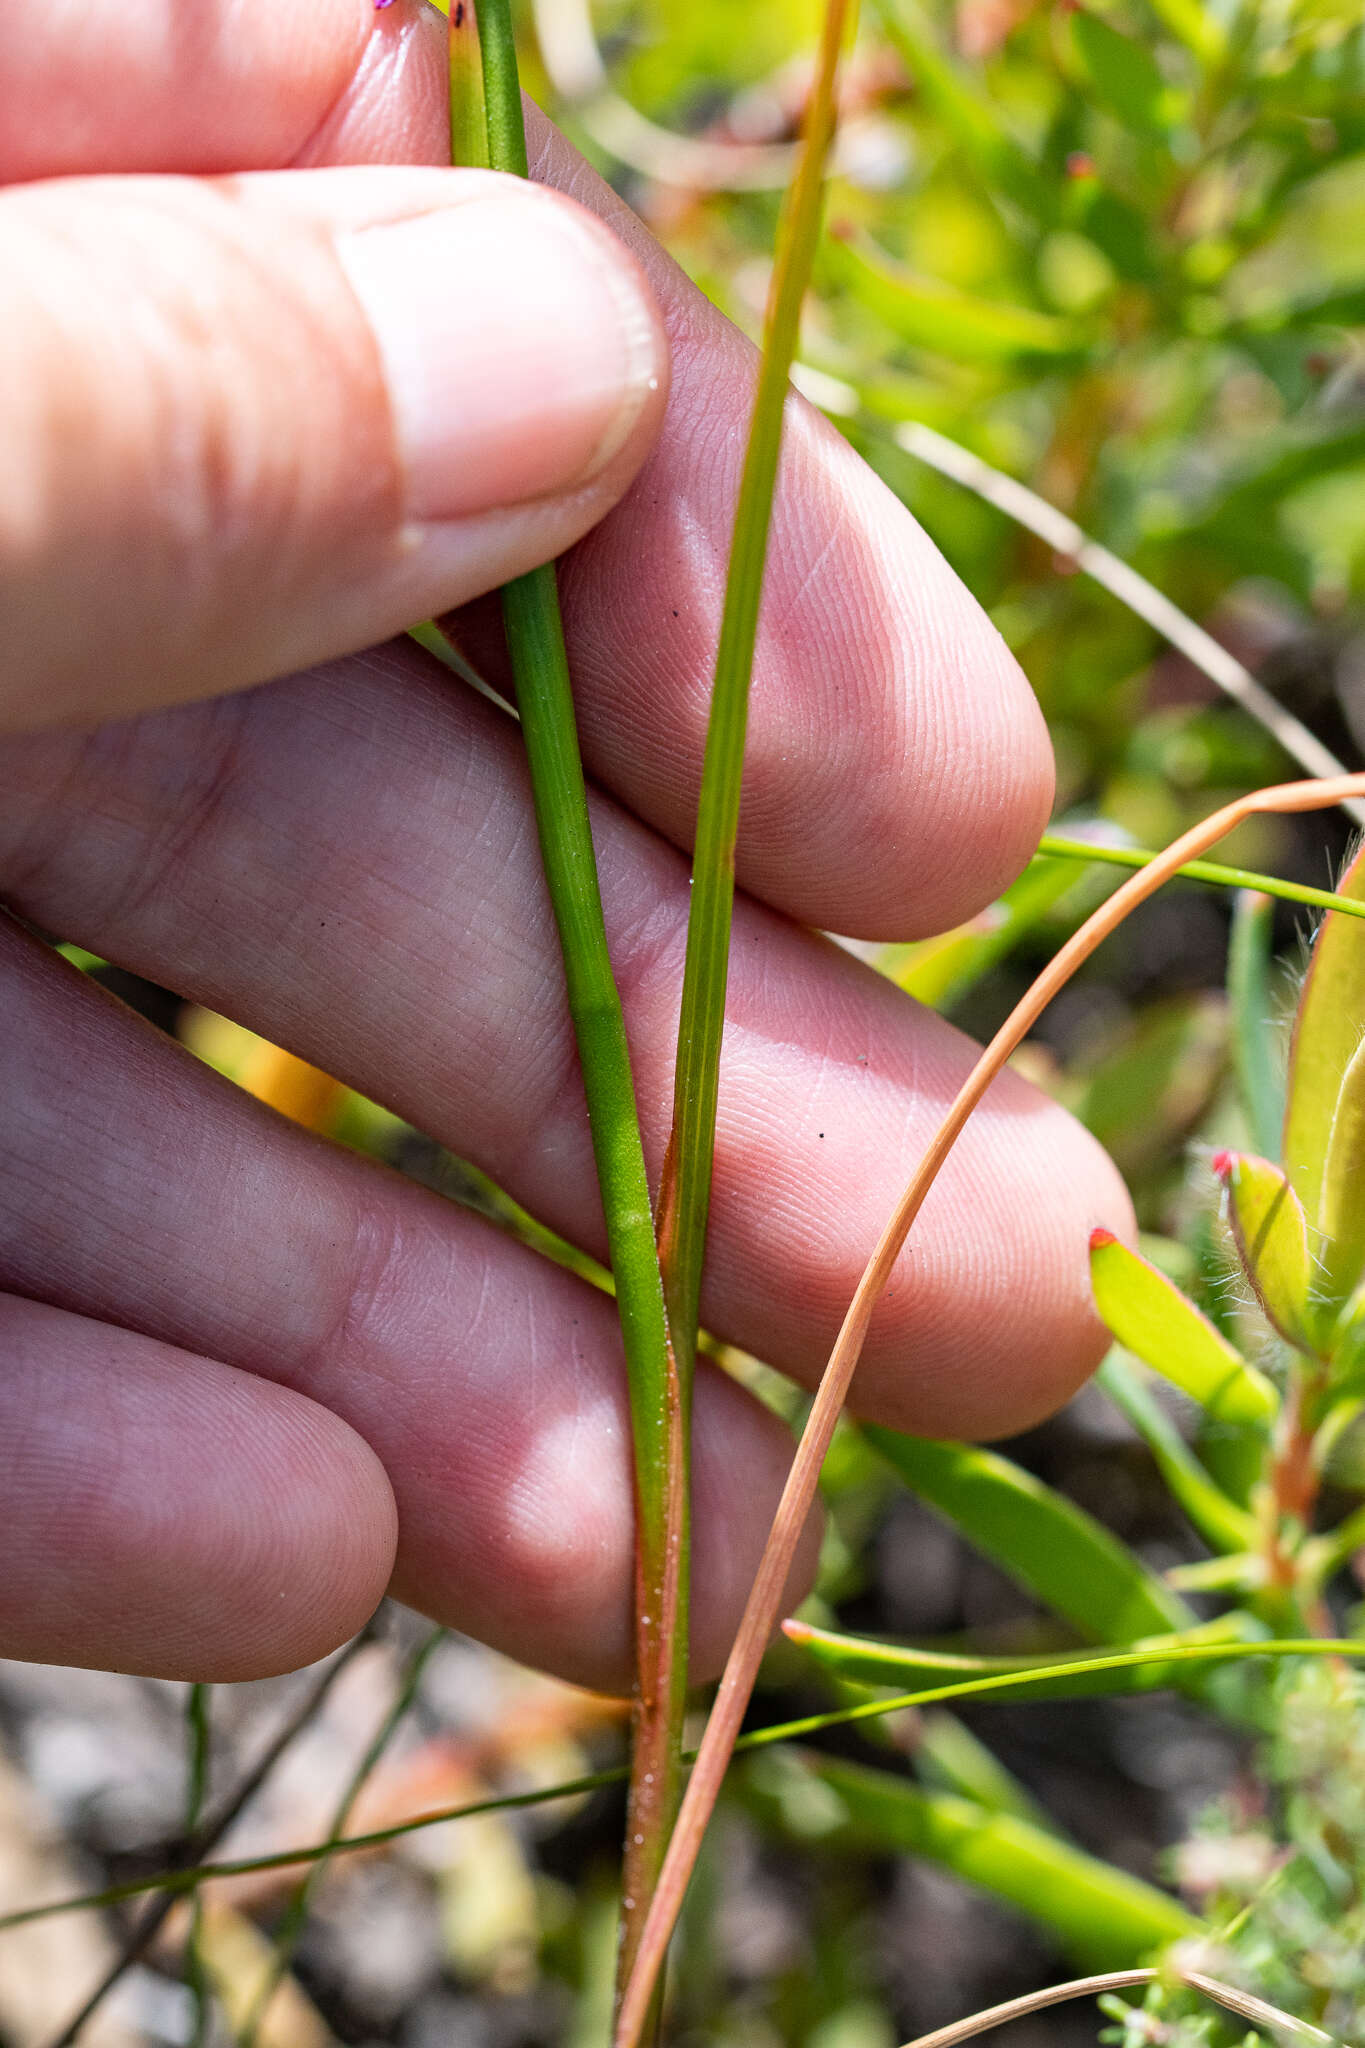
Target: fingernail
[(519, 347)]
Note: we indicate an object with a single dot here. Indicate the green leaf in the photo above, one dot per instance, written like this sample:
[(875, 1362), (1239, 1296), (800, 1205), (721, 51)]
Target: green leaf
[(951, 1759), (1221, 1523), (1060, 1675), (1122, 75), (1255, 1047), (936, 316), (1102, 1916), (1153, 1319), (1003, 165), (1271, 1233), (940, 970), (1052, 1548), (1324, 1128)]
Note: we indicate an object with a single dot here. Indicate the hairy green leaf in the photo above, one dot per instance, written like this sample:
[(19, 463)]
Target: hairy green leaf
[(1271, 1233), (1324, 1128)]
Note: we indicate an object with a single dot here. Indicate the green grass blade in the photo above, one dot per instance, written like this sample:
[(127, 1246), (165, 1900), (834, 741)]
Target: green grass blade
[(1052, 1548), (944, 320), (173, 1882), (1003, 165), (1102, 1916), (1065, 1675), (198, 1745), (1057, 845), (290, 1929), (685, 1197), (535, 640), (1223, 1525), (949, 1758), (1254, 1050)]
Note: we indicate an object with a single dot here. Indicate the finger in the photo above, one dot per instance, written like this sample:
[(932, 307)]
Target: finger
[(344, 863), (134, 1543), (887, 713), (214, 85), (251, 423), (144, 1191)]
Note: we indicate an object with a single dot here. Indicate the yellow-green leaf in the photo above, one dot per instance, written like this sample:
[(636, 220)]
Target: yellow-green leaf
[(1271, 1233), (1153, 1319), (1324, 1152)]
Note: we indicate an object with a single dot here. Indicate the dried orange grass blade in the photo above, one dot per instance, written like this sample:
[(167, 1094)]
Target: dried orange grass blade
[(764, 1604), (1242, 2003)]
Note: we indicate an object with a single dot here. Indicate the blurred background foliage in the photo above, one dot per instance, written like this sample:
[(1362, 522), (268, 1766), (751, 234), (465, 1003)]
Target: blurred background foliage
[(1118, 253)]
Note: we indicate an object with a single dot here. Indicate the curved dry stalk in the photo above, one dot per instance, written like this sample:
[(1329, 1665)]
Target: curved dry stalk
[(765, 1598), (1122, 581), (1240, 2002)]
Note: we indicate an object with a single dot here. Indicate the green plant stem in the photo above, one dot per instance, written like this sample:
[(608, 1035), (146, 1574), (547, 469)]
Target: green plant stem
[(212, 1832), (296, 1912), (198, 1735), (685, 1195), (174, 1882), (1055, 846), (535, 640)]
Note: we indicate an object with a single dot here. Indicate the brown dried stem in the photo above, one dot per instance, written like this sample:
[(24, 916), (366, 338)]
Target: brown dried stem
[(765, 1598)]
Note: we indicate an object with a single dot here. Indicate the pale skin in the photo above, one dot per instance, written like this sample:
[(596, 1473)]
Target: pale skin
[(259, 414)]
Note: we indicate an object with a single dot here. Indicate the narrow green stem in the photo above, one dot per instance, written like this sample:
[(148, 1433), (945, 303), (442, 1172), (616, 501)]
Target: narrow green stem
[(296, 1912), (685, 1196), (1054, 846), (535, 640), (198, 1737)]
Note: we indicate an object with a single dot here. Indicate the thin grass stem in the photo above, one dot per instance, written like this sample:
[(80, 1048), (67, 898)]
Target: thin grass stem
[(764, 1603), (535, 640), (183, 1880), (198, 1739), (1055, 846), (296, 1912), (154, 1919)]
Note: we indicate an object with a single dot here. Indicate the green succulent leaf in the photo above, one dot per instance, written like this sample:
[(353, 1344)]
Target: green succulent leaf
[(1152, 1318), (1046, 1544), (1222, 1524), (1102, 1916), (1271, 1233), (1255, 1050), (1324, 1126)]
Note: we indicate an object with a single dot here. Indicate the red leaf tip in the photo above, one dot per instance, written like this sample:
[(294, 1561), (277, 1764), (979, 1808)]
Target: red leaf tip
[(1223, 1164), (1099, 1238)]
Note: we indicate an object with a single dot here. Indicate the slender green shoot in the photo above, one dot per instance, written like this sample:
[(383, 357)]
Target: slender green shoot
[(1260, 1074), (296, 1912), (685, 1195), (174, 1882), (1056, 846), (535, 640), (146, 1929), (198, 1738)]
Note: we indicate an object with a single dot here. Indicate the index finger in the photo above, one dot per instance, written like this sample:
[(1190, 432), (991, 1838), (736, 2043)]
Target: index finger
[(897, 770)]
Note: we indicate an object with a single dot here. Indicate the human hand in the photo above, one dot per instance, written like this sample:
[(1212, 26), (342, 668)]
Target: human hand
[(254, 423)]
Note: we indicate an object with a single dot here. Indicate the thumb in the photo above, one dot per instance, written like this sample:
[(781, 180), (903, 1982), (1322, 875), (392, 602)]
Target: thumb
[(253, 423)]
